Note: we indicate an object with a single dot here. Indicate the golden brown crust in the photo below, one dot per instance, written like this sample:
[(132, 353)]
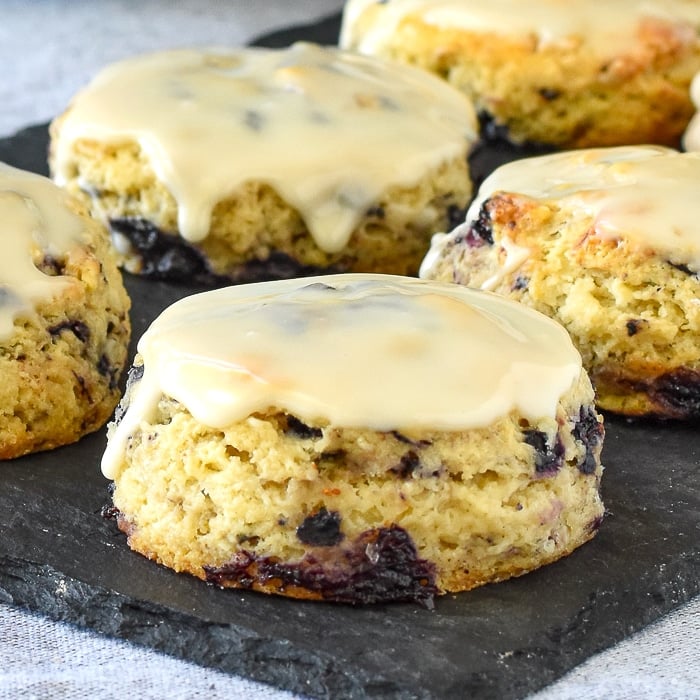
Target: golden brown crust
[(61, 366), (324, 512), (632, 314)]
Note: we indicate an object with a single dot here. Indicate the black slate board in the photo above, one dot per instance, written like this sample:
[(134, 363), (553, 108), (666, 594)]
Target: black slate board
[(60, 557)]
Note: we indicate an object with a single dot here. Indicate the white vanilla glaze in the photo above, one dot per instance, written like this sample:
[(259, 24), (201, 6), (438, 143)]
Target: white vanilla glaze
[(514, 257), (328, 130), (34, 216), (691, 138), (607, 27), (358, 350), (644, 195)]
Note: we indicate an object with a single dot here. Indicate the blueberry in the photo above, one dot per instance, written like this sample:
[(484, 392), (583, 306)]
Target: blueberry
[(633, 326), (379, 565), (479, 232), (408, 464), (548, 458), (300, 430), (107, 369), (79, 329), (589, 431), (166, 256), (321, 529), (678, 393), (549, 94)]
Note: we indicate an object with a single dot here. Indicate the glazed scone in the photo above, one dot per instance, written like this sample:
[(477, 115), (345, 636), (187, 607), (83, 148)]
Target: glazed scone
[(570, 74), (355, 438), (64, 323), (251, 164), (607, 242)]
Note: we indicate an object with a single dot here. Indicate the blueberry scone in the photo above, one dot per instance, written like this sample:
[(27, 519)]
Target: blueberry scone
[(355, 438), (64, 323), (570, 74), (607, 242), (252, 164)]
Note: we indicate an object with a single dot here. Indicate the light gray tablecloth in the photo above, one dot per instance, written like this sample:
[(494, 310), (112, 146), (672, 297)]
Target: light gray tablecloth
[(50, 48)]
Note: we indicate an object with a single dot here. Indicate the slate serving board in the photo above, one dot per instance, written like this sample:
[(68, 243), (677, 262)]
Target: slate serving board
[(60, 557)]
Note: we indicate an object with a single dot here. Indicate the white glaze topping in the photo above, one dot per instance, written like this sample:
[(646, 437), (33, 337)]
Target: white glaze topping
[(374, 351), (329, 131), (605, 26), (691, 138), (644, 195), (34, 216)]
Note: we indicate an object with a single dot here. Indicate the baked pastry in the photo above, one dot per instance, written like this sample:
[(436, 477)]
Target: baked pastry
[(605, 241), (64, 323), (355, 438), (570, 74), (250, 164)]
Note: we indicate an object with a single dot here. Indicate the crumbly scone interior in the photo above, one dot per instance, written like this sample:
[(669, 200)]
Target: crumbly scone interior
[(481, 505), (62, 364), (118, 184)]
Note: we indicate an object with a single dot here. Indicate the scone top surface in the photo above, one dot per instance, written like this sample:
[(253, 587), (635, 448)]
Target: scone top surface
[(34, 216), (328, 130), (376, 351), (641, 194), (606, 27)]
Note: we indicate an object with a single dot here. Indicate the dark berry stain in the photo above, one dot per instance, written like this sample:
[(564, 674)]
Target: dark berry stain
[(684, 268), (164, 256), (549, 94), (490, 129), (51, 266), (520, 283), (300, 430), (380, 565), (79, 329), (332, 456), (168, 257), (589, 431), (321, 529), (633, 326), (106, 369), (408, 464), (480, 231), (110, 512), (407, 440), (548, 458), (595, 524), (677, 393), (376, 212), (254, 120)]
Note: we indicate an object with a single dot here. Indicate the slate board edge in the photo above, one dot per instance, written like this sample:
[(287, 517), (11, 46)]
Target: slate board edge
[(233, 649)]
